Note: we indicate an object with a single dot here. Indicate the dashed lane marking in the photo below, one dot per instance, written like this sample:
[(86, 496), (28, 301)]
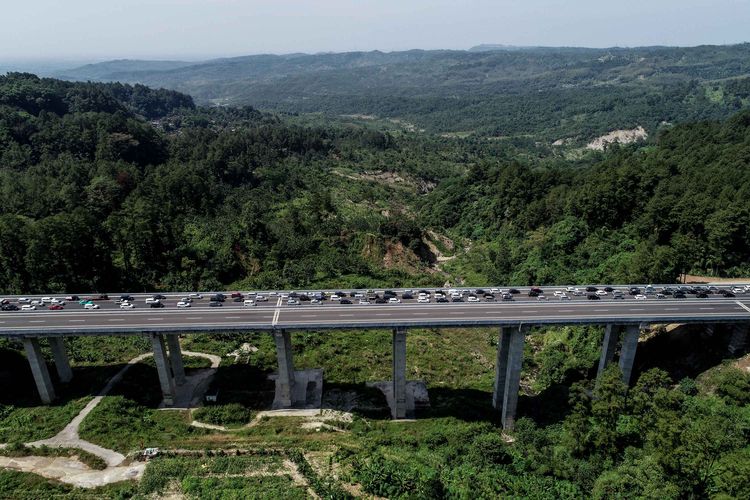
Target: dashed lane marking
[(155, 319), (76, 320), (37, 321), (117, 319)]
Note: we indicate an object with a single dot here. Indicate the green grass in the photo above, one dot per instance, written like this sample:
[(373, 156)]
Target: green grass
[(220, 477), (123, 425), (24, 485), (24, 424)]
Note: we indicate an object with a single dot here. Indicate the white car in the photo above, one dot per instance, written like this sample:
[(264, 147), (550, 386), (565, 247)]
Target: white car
[(423, 300), (335, 297), (660, 296), (23, 300), (261, 298), (359, 295), (152, 300), (494, 290), (640, 296), (127, 305), (564, 297), (559, 293), (541, 297), (46, 300), (364, 301), (507, 296), (195, 296), (36, 302), (58, 301), (182, 304), (91, 306), (394, 300), (28, 307), (249, 303), (473, 298), (601, 293), (292, 302), (570, 289), (315, 301)]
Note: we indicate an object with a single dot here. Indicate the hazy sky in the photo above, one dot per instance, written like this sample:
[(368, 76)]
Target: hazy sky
[(107, 29)]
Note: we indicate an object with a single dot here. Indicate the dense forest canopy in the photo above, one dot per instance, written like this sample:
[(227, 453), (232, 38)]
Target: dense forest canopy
[(551, 93), (95, 196)]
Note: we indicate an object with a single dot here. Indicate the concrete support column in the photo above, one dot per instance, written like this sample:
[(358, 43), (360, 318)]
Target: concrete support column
[(501, 367), (163, 367), (738, 338), (39, 370), (611, 336), (175, 358), (627, 354), (399, 372), (513, 376), (285, 381), (62, 363)]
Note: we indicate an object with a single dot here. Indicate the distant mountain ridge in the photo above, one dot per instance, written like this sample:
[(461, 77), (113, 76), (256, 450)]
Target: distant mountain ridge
[(489, 89)]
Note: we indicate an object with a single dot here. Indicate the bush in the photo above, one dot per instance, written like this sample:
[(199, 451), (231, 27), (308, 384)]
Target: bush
[(229, 414)]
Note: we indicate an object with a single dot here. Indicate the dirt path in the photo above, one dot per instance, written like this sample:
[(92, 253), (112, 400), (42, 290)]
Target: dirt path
[(72, 471)]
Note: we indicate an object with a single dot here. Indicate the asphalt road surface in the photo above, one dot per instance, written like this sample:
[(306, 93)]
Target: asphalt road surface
[(276, 314)]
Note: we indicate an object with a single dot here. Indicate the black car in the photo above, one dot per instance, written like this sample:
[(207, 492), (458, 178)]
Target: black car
[(634, 291), (514, 291), (159, 296), (126, 298), (457, 299), (533, 293), (215, 303), (489, 295), (9, 307), (489, 298), (537, 290), (609, 289), (701, 295), (424, 291), (304, 298), (237, 299), (441, 299), (593, 296), (407, 295), (667, 291), (345, 301), (591, 288), (679, 295), (219, 297), (479, 291), (726, 293), (380, 300), (156, 305)]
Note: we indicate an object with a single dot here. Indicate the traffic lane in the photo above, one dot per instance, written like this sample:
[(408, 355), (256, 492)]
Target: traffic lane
[(172, 305), (427, 313), (133, 319)]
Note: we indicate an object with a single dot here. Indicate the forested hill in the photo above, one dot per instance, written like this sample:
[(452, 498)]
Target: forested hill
[(112, 187), (552, 94)]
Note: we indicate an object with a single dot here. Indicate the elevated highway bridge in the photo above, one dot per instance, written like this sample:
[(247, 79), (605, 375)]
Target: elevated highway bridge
[(623, 318)]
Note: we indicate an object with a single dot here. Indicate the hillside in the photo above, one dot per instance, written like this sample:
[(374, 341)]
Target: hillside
[(108, 186), (550, 93)]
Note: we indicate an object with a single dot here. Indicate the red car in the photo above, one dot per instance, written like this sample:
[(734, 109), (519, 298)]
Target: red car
[(55, 307), (236, 295)]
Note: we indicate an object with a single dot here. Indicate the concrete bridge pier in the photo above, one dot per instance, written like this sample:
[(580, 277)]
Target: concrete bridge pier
[(399, 407), (175, 358), (404, 396), (513, 361), (627, 353), (62, 363), (39, 369), (738, 338), (294, 388), (611, 337), (164, 368)]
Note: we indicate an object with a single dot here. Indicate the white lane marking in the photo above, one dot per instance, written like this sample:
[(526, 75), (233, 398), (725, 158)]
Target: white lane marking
[(278, 302), (76, 320), (194, 317), (566, 310), (155, 319), (308, 315), (706, 308), (388, 314), (347, 315), (636, 309), (233, 317), (671, 308), (37, 321), (117, 319), (743, 306), (420, 314), (276, 314)]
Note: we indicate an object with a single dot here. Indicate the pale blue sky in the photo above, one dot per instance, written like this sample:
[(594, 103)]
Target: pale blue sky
[(190, 29)]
